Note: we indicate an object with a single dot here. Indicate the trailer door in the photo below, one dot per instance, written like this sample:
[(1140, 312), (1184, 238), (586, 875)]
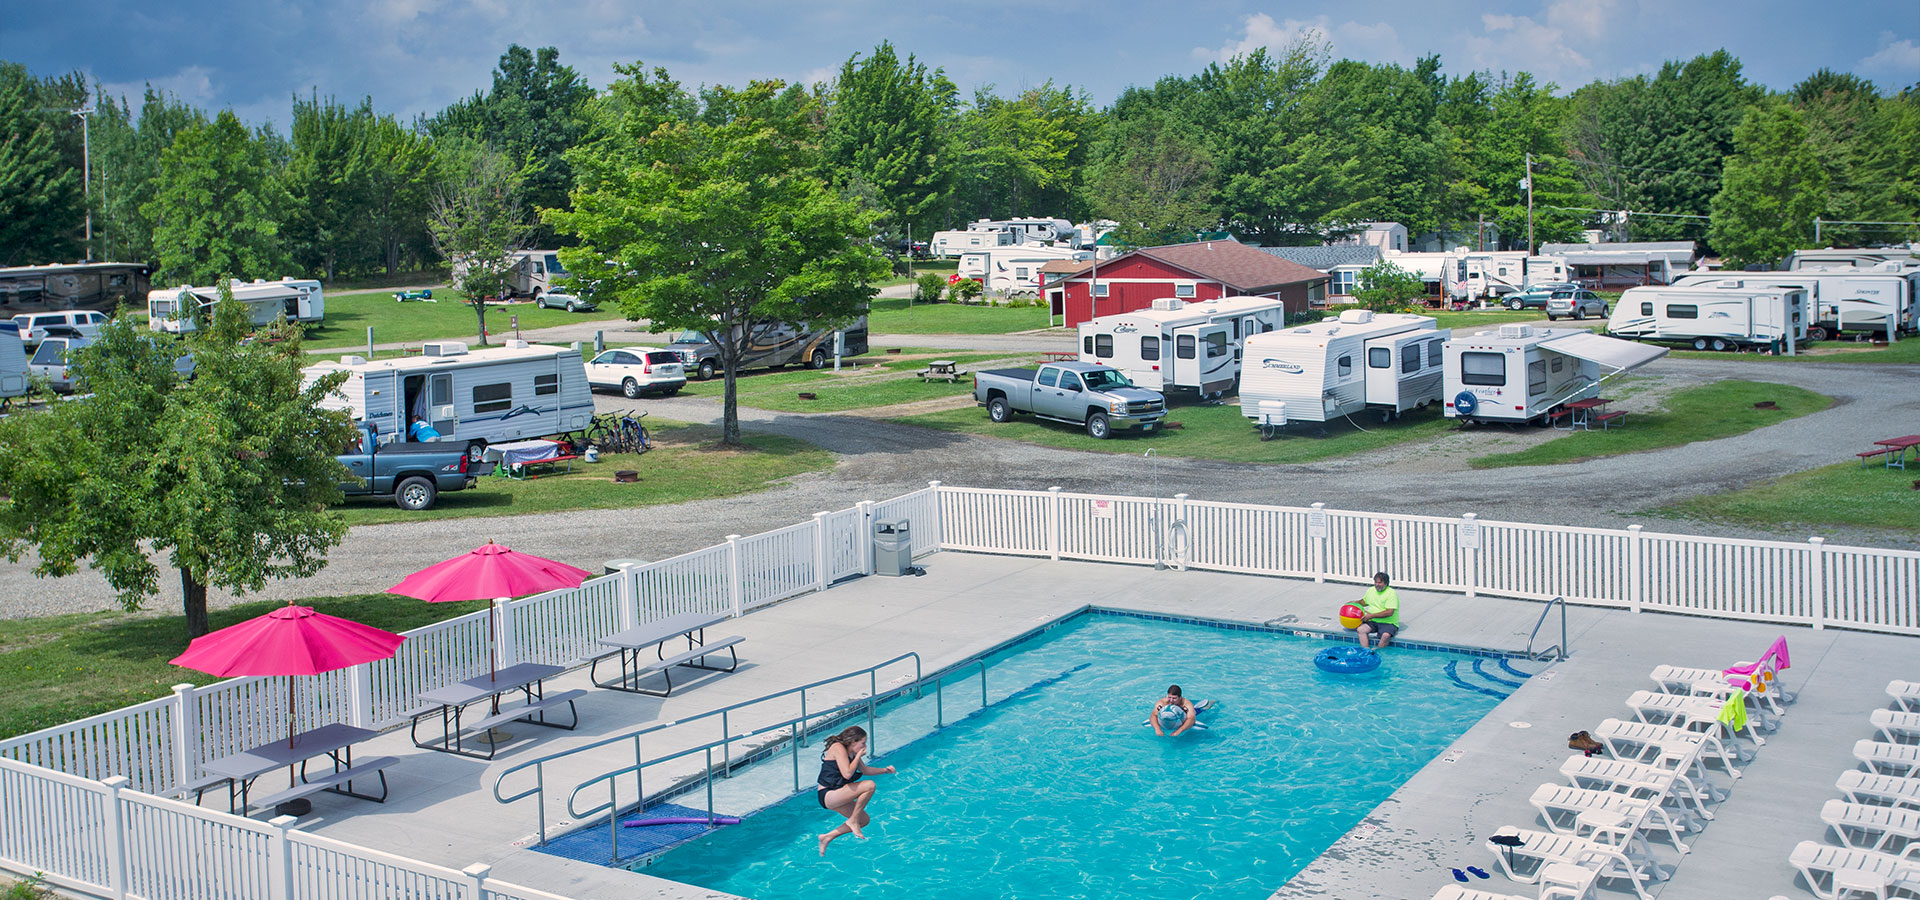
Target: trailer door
[(1203, 357), (443, 414)]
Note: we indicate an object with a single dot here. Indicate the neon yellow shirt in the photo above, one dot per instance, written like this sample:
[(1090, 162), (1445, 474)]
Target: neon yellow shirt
[(1376, 599)]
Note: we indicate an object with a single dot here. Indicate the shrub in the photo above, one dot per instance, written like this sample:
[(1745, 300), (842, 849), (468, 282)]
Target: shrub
[(928, 288), (966, 290)]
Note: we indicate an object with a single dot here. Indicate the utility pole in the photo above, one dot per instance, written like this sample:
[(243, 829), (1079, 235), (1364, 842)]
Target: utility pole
[(1816, 231), (86, 173), (1529, 183)]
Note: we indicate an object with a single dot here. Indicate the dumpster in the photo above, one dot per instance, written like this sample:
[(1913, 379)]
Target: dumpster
[(892, 546)]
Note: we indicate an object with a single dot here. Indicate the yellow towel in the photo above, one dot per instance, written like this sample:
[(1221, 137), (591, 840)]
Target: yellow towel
[(1734, 713)]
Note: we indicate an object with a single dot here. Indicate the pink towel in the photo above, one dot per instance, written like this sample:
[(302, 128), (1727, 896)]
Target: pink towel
[(1778, 651)]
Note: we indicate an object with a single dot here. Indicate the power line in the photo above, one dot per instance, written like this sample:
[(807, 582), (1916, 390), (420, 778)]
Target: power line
[(1629, 212), (1716, 176)]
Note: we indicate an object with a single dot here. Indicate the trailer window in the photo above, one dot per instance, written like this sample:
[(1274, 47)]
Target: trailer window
[(49, 353), (1682, 311), (442, 390), (1410, 358), (1346, 367), (1483, 368), (1086, 345), (1149, 347), (1434, 351), (1379, 357), (1216, 345), (1537, 376), (1103, 346), (492, 397), (1183, 346), (546, 384), (1646, 309), (1559, 362)]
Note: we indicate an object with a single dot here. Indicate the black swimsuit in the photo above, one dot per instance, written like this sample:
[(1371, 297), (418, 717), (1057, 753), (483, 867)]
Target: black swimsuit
[(830, 779)]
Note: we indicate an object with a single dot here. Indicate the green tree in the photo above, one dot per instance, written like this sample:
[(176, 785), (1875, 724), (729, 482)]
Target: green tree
[(1893, 162), (229, 476), (218, 205), (1526, 118), (1155, 180), (1020, 156), (888, 126), (398, 165), (1841, 112), (1772, 189), (1249, 109), (534, 113), (126, 160), (722, 228), (1366, 150), (328, 190), (41, 205), (479, 222), (1385, 287)]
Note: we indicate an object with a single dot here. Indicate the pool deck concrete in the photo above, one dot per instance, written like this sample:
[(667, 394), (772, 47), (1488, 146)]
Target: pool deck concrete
[(442, 809)]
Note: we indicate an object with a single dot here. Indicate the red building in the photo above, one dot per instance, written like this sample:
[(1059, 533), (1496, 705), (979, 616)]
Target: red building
[(1195, 272)]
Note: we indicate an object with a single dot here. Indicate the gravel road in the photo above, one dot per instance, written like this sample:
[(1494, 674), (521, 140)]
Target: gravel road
[(880, 459)]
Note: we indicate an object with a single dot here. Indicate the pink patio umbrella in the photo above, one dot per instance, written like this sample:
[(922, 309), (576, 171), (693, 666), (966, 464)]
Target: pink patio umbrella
[(484, 573), (291, 640)]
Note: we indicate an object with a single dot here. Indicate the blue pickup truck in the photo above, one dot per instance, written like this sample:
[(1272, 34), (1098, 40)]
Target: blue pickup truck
[(413, 474)]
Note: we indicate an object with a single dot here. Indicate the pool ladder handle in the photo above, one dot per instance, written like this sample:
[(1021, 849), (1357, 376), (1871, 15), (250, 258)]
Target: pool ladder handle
[(1558, 650)]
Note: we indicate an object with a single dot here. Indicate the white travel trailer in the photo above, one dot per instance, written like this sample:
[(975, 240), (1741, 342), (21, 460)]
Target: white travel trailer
[(1845, 260), (1177, 344), (1032, 231), (1721, 316), (954, 243), (311, 305), (1445, 274), (13, 362), (1322, 371), (477, 397), (1520, 373), (1498, 273), (1840, 299), (170, 310), (1013, 269)]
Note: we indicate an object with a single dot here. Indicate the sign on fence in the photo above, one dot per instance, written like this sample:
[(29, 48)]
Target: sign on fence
[(1317, 524), (1470, 535), (1103, 509), (1381, 531)]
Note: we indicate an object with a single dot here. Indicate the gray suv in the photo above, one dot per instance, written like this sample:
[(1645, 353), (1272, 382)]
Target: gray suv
[(1576, 304)]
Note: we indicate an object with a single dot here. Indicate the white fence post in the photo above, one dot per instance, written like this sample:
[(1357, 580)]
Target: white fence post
[(360, 695), (865, 541), (1180, 528), (939, 523), (1470, 552), (186, 734), (504, 650), (820, 573), (116, 835), (1636, 568), (1817, 582), (1320, 549), (1053, 523), (736, 586), (476, 887), (280, 859), (629, 598)]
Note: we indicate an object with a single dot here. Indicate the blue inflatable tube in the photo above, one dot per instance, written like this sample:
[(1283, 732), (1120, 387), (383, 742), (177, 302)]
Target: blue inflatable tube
[(1347, 660)]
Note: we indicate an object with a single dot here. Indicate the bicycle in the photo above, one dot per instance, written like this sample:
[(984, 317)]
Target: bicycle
[(633, 434), (619, 432)]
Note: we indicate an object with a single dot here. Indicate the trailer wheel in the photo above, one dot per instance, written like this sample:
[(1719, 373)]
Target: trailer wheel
[(1098, 428), (1721, 345), (477, 451), (1699, 343), (706, 370), (1816, 333), (998, 410), (415, 494), (818, 360)]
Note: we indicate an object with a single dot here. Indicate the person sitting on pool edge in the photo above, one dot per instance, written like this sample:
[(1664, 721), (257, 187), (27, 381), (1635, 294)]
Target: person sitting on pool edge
[(1380, 612), (1175, 700), (841, 789)]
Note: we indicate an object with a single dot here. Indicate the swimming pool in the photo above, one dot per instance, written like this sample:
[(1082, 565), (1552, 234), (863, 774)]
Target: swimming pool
[(1060, 791)]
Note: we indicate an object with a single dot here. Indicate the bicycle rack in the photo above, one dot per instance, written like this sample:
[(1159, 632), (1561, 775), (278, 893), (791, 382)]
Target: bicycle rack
[(1558, 650)]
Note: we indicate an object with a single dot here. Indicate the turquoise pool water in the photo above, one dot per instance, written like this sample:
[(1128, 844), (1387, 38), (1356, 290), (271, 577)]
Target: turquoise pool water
[(1060, 791)]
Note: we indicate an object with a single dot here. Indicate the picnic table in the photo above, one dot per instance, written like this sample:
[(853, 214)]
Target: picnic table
[(629, 645), (518, 458), (334, 741), (1894, 449), (946, 369), (451, 702), (1583, 414), (1059, 355)]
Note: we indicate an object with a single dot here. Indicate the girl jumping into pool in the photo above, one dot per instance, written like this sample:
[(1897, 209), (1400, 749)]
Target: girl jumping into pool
[(841, 789)]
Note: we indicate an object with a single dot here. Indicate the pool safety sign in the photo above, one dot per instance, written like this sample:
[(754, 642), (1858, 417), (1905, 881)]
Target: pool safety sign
[(1103, 509), (1381, 531), (1317, 524), (1470, 535)]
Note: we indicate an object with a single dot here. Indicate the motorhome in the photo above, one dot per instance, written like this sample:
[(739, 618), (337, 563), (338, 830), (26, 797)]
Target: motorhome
[(1013, 269), (1840, 299), (98, 286), (1494, 274), (471, 397), (954, 243), (1521, 373), (171, 310), (773, 344), (1844, 260), (13, 362), (530, 273), (1721, 316), (1175, 344), (1321, 371)]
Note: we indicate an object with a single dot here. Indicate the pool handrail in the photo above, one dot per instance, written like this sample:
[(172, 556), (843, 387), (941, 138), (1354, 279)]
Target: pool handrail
[(1560, 649)]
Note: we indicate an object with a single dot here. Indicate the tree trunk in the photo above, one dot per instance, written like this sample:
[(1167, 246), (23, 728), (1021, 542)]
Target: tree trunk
[(480, 309), (730, 410), (193, 599)]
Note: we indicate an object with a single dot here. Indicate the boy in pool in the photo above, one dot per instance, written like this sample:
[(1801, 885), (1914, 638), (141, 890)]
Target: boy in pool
[(1380, 613), (1172, 700)]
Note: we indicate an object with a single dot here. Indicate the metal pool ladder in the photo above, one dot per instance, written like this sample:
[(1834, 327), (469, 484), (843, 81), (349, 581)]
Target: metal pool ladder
[(1558, 650)]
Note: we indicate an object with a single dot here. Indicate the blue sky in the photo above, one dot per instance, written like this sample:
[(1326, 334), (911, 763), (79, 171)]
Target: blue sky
[(414, 56)]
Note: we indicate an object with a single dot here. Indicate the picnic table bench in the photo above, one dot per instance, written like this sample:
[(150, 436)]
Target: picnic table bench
[(628, 645), (945, 369), (1894, 449), (451, 702)]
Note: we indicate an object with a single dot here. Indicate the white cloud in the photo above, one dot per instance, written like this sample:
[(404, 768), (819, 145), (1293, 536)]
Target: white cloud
[(1509, 43), (1896, 63), (194, 84), (1584, 20), (1378, 42)]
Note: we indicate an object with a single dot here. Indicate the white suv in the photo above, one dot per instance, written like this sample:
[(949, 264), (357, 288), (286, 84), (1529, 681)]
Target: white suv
[(81, 323), (638, 370)]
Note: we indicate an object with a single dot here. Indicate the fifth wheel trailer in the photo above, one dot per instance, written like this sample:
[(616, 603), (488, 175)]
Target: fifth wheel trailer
[(1839, 300), (1718, 317)]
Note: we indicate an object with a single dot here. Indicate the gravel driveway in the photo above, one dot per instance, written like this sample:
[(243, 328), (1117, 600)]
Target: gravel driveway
[(880, 459)]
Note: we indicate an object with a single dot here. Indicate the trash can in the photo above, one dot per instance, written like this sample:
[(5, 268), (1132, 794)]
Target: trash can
[(892, 546)]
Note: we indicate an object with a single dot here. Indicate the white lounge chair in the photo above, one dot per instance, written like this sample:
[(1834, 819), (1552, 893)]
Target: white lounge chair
[(1886, 790), (1686, 680), (1693, 713), (1896, 726), (1906, 694), (1664, 746), (1830, 870), (1641, 781), (1566, 810), (1456, 892), (1888, 759), (1525, 861), (1885, 828)]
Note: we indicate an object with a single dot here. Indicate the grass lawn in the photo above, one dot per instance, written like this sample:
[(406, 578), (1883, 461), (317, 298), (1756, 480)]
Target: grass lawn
[(1477, 319), (894, 316), (449, 318), (876, 382), (1207, 432), (1906, 351), (1845, 494), (61, 668), (1717, 410), (685, 465)]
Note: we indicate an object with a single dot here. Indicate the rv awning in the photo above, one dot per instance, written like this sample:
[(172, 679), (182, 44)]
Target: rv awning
[(1610, 352)]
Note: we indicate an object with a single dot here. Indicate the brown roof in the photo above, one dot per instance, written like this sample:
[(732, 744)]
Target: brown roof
[(1238, 266), (1057, 266)]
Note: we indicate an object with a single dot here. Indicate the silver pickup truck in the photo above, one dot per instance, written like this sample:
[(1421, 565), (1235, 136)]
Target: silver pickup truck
[(1096, 397)]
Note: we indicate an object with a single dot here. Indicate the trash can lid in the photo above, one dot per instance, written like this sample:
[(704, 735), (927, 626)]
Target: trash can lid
[(892, 524)]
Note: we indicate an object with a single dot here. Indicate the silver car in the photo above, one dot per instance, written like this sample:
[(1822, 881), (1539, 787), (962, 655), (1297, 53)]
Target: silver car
[(1575, 304)]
